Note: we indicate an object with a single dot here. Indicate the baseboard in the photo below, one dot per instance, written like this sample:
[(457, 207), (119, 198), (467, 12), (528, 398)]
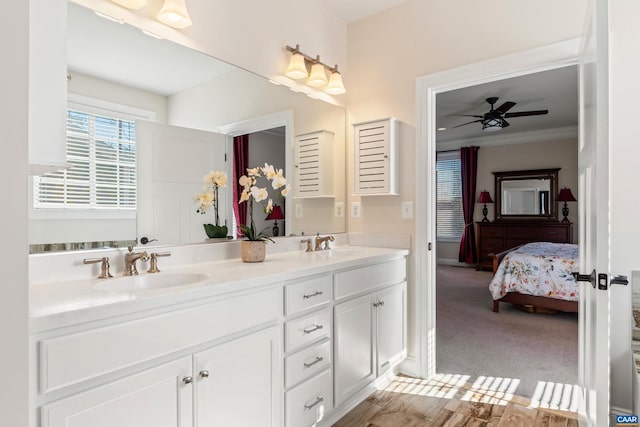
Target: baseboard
[(454, 262), (410, 367)]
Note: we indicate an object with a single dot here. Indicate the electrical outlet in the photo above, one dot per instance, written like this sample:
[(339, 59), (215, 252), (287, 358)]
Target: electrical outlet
[(339, 207), (406, 210), (299, 212), (356, 207)]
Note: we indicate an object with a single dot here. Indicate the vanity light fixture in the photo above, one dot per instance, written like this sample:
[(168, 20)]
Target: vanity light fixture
[(299, 65), (132, 4), (174, 14)]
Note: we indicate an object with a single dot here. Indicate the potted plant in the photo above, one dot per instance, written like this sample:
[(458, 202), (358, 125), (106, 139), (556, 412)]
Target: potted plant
[(253, 248), (213, 181)]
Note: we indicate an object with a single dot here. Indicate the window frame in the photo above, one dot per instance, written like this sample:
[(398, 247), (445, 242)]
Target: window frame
[(448, 155)]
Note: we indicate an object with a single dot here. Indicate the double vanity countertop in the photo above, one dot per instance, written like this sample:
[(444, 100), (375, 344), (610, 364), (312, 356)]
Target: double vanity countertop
[(71, 302)]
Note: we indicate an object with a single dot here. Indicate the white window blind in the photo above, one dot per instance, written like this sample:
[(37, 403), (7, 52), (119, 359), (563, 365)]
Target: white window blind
[(102, 153), (449, 215)]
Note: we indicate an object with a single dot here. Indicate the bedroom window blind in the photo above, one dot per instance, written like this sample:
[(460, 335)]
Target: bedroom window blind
[(449, 215), (102, 153)]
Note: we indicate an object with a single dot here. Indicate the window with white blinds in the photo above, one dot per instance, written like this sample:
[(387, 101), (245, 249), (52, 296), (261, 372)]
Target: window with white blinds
[(102, 153), (449, 215)]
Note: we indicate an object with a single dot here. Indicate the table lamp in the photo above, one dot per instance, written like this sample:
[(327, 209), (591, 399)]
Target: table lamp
[(485, 198), (565, 196), (275, 214)]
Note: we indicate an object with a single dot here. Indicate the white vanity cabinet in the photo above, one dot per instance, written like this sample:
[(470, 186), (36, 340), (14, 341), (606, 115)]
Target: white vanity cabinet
[(369, 325)]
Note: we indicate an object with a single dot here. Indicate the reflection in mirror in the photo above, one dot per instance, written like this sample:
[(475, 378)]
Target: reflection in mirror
[(526, 194), (118, 71)]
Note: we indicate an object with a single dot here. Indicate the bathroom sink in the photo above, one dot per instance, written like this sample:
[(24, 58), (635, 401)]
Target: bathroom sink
[(338, 252), (149, 281)]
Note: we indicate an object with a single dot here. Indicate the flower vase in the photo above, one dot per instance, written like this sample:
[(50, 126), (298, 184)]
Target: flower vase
[(215, 231), (253, 250)]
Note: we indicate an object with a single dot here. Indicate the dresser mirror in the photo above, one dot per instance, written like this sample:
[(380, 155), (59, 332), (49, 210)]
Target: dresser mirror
[(210, 95), (527, 194)]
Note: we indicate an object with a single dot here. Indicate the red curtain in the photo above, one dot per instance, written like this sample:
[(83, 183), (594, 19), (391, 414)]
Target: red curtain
[(240, 160), (468, 171)]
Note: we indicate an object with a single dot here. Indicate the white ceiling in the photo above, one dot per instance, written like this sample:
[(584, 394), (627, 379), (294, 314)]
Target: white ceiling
[(554, 90), (353, 10)]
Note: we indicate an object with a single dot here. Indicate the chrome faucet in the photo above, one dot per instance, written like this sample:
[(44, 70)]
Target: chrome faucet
[(321, 240), (130, 259)]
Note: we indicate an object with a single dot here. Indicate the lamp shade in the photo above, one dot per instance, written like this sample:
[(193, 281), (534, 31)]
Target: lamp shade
[(174, 14), (131, 4), (335, 86), (276, 213), (492, 125), (297, 68), (318, 76), (565, 196), (485, 197)]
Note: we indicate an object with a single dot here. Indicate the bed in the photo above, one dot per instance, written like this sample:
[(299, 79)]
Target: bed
[(538, 276)]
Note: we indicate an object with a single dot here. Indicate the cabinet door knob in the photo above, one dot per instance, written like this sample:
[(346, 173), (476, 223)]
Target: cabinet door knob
[(204, 374), (187, 380)]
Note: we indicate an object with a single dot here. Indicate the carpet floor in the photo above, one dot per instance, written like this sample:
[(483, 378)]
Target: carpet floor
[(535, 351)]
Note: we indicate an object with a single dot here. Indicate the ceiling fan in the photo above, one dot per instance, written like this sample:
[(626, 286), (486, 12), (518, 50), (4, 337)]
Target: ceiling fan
[(494, 120)]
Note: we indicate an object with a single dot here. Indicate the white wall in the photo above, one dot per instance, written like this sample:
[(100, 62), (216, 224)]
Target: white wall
[(14, 357), (388, 51)]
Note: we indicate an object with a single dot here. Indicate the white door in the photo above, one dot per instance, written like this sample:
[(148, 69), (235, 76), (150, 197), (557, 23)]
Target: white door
[(238, 383), (391, 329), (593, 206), (158, 397), (171, 163)]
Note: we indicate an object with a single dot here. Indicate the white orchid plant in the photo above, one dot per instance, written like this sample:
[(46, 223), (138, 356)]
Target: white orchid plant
[(251, 192), (209, 197)]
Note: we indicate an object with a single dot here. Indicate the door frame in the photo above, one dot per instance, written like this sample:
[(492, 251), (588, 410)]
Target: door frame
[(558, 55)]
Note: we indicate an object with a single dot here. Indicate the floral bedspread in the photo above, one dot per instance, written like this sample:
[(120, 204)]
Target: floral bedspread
[(541, 269)]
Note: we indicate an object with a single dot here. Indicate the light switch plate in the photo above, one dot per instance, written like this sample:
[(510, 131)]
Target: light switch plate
[(407, 209), (299, 212), (356, 207), (339, 207)]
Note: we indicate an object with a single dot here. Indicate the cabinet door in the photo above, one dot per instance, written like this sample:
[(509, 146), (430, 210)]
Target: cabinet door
[(391, 315), (354, 343), (158, 397), (239, 383)]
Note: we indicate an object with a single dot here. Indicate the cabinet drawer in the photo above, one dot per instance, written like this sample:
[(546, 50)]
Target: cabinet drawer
[(366, 278), (307, 294), (485, 231), (488, 246), (306, 363), (553, 235), (526, 233), (77, 357), (309, 402), (306, 329)]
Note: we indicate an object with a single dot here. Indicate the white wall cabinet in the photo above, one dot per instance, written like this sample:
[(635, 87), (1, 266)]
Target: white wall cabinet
[(370, 338), (314, 164), (158, 397), (376, 158), (47, 86)]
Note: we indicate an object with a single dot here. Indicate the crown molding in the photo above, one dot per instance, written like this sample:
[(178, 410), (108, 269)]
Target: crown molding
[(512, 138)]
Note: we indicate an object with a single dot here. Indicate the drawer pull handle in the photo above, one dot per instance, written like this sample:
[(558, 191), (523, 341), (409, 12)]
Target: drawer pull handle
[(312, 329), (204, 374), (320, 399), (315, 294), (318, 360), (187, 380)]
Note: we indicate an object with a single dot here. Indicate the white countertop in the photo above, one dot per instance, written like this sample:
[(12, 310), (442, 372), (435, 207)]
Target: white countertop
[(65, 303)]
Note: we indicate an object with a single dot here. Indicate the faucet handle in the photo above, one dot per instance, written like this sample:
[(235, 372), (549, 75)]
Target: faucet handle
[(153, 267), (104, 268), (308, 242)]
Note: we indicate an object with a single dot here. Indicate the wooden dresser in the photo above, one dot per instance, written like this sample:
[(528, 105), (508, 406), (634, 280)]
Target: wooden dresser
[(497, 236)]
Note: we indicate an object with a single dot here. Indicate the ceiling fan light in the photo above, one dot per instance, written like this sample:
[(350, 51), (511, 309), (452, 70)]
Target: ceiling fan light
[(131, 4), (335, 86), (297, 68), (317, 77), (174, 14), (492, 125)]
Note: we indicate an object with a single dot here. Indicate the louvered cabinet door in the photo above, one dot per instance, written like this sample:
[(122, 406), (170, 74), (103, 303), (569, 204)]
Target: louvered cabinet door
[(375, 157), (313, 163)]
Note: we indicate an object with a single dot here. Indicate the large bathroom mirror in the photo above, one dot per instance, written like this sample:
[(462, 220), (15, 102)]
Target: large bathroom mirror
[(527, 194), (118, 67)]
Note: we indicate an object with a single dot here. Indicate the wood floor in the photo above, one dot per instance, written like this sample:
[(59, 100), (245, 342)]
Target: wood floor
[(410, 402)]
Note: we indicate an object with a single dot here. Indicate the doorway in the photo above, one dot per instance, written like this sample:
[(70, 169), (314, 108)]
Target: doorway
[(425, 266)]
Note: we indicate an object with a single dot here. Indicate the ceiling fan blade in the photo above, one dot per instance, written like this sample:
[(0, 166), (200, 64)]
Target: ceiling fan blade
[(466, 115), (526, 113), (505, 107), (505, 123), (468, 123)]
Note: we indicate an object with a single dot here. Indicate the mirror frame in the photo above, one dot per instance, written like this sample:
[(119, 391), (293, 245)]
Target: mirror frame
[(550, 174)]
